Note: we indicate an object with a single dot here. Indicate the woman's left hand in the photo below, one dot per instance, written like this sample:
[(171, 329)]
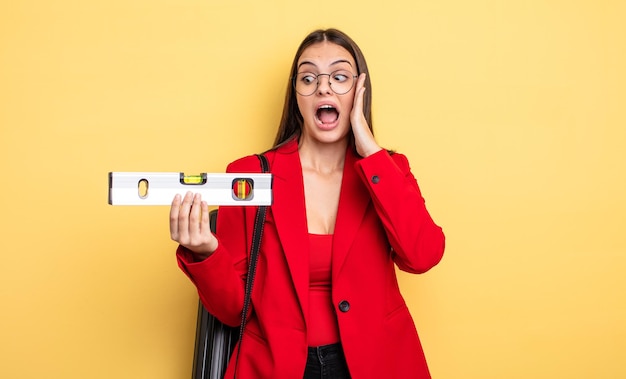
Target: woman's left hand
[(363, 138)]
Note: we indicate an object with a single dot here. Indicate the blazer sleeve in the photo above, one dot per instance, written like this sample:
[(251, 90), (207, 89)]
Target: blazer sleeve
[(417, 242), (220, 279)]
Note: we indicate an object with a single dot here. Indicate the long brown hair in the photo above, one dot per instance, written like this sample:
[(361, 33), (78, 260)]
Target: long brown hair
[(291, 120)]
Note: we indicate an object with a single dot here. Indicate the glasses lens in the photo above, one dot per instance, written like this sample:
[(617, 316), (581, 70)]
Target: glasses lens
[(305, 83), (341, 81)]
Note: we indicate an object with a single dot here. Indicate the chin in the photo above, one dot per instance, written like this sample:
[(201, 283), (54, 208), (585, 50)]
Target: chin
[(332, 138)]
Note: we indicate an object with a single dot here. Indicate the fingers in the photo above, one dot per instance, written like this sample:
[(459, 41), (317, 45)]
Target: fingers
[(184, 216), (174, 210), (179, 217), (358, 96), (190, 225), (205, 226), (361, 81), (195, 213)]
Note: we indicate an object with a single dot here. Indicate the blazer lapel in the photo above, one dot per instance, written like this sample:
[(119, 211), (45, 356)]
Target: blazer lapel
[(289, 214), (353, 201)]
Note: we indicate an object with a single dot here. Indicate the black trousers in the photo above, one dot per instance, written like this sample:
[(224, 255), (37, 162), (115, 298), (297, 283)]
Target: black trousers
[(326, 362)]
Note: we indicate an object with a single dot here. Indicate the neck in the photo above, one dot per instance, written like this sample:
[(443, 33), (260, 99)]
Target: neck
[(322, 157)]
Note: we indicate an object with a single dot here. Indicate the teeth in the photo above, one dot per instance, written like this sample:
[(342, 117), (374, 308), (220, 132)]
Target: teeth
[(326, 107)]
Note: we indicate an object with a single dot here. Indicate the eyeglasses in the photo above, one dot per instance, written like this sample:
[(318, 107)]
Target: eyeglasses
[(340, 81)]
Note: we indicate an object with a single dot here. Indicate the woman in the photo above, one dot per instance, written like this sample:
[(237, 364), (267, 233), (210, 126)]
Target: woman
[(326, 302)]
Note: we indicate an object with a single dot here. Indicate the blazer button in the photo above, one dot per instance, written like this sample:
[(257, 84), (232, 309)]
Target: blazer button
[(344, 306), (375, 179)]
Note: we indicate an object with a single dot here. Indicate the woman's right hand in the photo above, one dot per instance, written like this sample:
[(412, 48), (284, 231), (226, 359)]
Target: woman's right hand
[(189, 225)]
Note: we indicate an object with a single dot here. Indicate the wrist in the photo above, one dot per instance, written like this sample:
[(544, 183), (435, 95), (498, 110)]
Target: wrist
[(201, 252), (366, 152)]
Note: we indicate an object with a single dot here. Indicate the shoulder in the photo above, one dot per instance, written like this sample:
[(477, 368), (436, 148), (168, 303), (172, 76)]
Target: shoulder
[(251, 163)]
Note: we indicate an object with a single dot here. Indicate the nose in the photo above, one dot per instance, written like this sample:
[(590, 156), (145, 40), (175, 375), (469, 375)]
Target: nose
[(323, 85)]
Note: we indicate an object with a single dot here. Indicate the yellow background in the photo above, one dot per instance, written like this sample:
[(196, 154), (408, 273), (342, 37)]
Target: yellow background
[(511, 113)]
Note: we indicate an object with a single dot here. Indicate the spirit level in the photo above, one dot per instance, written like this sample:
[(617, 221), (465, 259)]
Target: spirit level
[(159, 188)]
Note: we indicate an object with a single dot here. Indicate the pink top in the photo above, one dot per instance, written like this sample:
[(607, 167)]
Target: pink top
[(323, 328)]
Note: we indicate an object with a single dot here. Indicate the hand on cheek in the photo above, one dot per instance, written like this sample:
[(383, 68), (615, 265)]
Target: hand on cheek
[(363, 138)]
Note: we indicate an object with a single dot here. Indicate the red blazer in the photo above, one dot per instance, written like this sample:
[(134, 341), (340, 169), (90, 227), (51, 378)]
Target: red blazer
[(381, 221)]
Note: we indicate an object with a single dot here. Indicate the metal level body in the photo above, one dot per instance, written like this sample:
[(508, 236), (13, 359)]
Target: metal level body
[(159, 188)]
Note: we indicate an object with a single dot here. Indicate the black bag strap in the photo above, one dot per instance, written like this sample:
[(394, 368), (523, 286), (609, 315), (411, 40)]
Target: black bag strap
[(257, 233)]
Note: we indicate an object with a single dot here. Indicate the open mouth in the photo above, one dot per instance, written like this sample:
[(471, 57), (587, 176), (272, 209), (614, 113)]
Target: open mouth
[(327, 114)]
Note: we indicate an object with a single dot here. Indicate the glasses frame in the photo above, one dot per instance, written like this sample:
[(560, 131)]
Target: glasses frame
[(330, 85)]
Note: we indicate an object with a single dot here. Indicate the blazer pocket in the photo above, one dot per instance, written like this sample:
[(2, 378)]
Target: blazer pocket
[(395, 312), (399, 327), (255, 335)]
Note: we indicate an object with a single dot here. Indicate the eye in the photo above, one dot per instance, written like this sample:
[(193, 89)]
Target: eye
[(341, 76), (307, 78)]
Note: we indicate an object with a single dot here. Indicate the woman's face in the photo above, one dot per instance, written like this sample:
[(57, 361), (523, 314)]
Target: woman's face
[(325, 113)]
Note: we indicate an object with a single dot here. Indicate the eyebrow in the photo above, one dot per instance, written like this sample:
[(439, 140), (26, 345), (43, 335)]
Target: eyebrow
[(332, 64)]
